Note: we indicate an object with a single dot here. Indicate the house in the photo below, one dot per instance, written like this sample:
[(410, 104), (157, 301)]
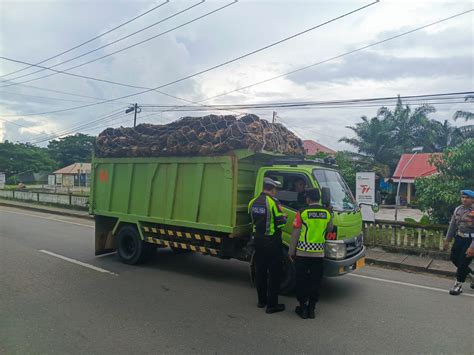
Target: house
[(77, 174), (313, 148), (412, 167)]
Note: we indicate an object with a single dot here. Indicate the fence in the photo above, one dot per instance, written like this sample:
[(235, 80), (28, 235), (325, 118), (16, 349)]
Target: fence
[(45, 197), (404, 234)]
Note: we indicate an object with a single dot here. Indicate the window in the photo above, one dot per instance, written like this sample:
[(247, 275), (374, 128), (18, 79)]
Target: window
[(341, 195), (291, 193)]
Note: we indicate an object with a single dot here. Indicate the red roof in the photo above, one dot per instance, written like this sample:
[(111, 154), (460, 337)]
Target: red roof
[(311, 147), (84, 168), (419, 166)]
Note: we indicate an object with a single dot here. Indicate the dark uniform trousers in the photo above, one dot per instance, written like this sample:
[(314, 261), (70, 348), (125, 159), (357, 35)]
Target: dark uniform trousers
[(459, 258), (268, 264), (309, 271)]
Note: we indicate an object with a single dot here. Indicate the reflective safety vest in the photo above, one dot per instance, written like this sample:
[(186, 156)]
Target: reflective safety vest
[(315, 220), (267, 217)]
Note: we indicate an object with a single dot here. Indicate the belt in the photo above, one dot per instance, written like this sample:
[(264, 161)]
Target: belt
[(466, 235)]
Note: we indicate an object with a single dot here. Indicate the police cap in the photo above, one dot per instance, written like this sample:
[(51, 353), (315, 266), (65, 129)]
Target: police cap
[(469, 193)]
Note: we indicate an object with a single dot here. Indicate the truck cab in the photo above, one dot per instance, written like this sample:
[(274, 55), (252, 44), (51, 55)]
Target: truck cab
[(345, 251)]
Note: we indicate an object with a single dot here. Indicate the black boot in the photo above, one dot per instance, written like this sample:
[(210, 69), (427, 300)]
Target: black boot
[(277, 308), (302, 311)]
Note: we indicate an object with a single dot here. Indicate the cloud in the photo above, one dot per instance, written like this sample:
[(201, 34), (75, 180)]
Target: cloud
[(430, 61), (375, 66)]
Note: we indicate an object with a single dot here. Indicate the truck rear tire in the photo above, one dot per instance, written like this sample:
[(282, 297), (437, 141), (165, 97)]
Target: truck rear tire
[(131, 249)]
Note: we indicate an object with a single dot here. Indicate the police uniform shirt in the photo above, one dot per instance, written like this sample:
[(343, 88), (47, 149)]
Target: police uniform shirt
[(462, 222)]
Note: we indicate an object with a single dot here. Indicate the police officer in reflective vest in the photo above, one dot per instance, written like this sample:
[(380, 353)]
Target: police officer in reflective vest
[(268, 220), (307, 250), (461, 228)]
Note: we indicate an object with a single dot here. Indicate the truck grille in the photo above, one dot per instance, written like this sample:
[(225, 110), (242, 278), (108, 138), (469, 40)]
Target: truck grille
[(354, 245)]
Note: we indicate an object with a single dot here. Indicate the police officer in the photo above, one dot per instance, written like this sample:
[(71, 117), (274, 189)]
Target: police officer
[(307, 250), (461, 228), (268, 220)]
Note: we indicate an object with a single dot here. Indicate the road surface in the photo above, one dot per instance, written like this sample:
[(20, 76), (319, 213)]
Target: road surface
[(57, 298)]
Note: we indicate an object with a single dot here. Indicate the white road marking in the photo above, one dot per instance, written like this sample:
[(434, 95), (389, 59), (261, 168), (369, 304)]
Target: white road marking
[(407, 284), (49, 218), (78, 262)]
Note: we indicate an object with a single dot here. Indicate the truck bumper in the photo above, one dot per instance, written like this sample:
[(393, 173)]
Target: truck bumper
[(344, 266)]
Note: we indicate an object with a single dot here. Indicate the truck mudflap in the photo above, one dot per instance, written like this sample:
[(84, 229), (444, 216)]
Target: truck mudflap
[(104, 239), (341, 267)]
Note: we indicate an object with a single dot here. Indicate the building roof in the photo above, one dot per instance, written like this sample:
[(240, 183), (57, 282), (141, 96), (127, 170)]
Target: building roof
[(311, 147), (85, 168), (419, 166)]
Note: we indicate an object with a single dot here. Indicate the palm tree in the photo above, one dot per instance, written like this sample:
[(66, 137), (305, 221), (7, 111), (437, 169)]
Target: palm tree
[(386, 136), (439, 136), (465, 114)]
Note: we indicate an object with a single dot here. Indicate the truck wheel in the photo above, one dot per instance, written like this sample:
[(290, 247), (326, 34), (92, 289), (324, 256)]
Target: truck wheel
[(130, 248), (288, 274)]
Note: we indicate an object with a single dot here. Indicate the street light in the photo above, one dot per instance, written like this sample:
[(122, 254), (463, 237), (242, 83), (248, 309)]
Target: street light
[(415, 151)]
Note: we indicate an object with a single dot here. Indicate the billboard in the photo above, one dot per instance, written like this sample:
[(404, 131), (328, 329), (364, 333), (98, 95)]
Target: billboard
[(365, 193)]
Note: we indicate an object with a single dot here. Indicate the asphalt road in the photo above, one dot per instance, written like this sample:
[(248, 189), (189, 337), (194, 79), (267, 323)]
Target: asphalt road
[(189, 303)]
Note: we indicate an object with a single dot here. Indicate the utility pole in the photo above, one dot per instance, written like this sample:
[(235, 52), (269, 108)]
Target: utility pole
[(136, 109)]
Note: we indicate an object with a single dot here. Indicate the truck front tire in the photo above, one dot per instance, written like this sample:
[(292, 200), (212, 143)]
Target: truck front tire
[(131, 249)]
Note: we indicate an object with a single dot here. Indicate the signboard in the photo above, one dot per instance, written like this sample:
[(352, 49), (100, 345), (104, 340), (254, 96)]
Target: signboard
[(2, 180), (365, 193)]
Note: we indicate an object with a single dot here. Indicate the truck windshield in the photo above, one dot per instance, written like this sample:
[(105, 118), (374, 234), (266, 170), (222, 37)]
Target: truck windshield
[(341, 196)]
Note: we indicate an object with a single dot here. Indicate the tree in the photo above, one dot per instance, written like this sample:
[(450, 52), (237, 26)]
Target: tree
[(375, 140), (465, 114), (20, 158), (350, 163), (391, 133), (439, 194), (438, 136), (72, 149)]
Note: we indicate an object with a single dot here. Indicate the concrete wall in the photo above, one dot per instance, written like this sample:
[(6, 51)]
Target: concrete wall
[(44, 197)]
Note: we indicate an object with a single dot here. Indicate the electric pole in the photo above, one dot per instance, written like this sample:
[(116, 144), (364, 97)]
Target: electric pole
[(136, 109)]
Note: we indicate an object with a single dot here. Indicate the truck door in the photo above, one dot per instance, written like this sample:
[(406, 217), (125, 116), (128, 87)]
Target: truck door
[(290, 195)]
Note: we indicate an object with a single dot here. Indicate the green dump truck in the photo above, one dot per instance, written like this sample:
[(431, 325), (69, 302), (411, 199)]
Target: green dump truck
[(200, 204)]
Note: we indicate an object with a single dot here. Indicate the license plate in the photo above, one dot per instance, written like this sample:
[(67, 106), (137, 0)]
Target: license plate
[(359, 263)]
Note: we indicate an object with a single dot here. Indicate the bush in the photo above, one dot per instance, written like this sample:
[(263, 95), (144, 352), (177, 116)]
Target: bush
[(438, 194)]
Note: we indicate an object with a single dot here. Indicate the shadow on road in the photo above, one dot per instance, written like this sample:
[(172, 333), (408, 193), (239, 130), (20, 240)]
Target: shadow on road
[(228, 271)]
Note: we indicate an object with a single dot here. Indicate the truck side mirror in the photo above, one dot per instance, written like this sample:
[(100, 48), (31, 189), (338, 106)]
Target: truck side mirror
[(326, 196)]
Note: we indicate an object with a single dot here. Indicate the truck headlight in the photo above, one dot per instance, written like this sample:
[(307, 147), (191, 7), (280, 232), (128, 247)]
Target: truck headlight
[(335, 250)]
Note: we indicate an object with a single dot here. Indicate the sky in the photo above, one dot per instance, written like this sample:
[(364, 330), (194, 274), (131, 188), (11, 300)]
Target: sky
[(438, 59)]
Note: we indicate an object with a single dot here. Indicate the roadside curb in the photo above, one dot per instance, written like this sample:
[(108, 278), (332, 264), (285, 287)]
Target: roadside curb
[(39, 208), (401, 266)]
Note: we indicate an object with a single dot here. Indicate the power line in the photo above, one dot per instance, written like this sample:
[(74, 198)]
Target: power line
[(338, 56), (68, 93), (408, 98), (213, 67), (40, 97), (104, 118), (95, 50), (92, 39)]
